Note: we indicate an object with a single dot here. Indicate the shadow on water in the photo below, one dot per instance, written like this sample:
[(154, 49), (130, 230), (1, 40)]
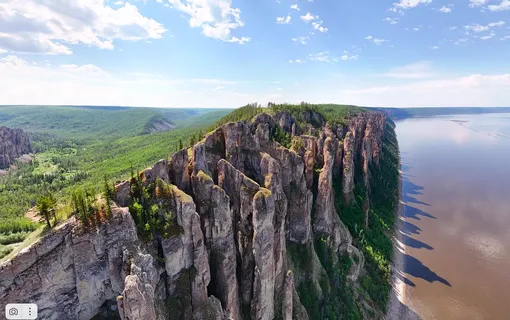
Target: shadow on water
[(417, 269), (415, 213), (409, 228), (413, 243), (413, 266)]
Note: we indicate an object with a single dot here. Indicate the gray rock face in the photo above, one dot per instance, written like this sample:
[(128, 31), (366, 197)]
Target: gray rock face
[(72, 273), (178, 170), (348, 167), (237, 205), (13, 144)]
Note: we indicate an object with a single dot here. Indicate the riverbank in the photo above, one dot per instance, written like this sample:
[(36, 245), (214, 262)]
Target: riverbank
[(397, 308)]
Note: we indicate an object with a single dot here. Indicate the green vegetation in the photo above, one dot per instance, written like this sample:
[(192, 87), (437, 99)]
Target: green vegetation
[(46, 206), (152, 217), (280, 136), (375, 242), (77, 146)]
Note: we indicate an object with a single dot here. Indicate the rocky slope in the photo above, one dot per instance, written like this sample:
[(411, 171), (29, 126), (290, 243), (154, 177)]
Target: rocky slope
[(242, 214), (13, 144)]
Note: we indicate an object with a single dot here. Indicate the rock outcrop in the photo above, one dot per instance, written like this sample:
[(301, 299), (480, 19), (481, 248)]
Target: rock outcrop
[(13, 144), (233, 211)]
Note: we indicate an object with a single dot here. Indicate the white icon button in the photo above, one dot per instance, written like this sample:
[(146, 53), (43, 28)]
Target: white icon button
[(26, 311)]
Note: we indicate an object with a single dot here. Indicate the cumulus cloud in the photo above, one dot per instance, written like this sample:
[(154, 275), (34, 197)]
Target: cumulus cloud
[(308, 17), (317, 25), (477, 3), (445, 9), (303, 39), (408, 4), (322, 57), (481, 28), (50, 27), (217, 18), (296, 61), (375, 40), (283, 20), (295, 7), (502, 6), (391, 20)]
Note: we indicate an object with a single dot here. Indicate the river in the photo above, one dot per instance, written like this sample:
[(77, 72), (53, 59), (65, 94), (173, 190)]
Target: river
[(456, 225)]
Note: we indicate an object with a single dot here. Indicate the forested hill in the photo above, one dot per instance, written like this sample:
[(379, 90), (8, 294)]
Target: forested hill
[(90, 122), (402, 113)]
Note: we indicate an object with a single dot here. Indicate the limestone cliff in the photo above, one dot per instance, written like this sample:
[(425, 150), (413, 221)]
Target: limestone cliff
[(242, 215), (13, 144)]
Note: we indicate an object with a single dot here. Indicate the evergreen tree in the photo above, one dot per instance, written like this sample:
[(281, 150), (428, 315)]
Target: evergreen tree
[(180, 144), (46, 206)]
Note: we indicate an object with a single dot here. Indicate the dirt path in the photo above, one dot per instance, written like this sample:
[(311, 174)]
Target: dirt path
[(397, 308)]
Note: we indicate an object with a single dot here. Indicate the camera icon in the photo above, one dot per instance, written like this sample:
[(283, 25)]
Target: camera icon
[(13, 312), (26, 311)]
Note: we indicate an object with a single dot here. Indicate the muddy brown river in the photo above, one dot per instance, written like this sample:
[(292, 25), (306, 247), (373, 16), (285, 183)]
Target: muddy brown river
[(456, 230)]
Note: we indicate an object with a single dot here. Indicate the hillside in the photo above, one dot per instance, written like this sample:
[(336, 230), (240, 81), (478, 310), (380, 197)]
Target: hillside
[(283, 215), (81, 158), (91, 123)]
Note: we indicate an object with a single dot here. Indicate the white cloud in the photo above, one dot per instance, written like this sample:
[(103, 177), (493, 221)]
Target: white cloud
[(303, 40), (471, 90), (481, 28), (418, 70), (375, 40), (319, 27), (391, 20), (308, 17), (90, 85), (296, 61), (283, 20), (477, 3), (49, 27), (416, 29), (445, 9), (322, 57), (407, 4), (217, 18), (505, 38), (295, 7), (434, 48), (504, 5), (346, 57), (489, 36)]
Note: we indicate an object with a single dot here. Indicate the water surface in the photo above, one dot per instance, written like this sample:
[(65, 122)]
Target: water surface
[(456, 190)]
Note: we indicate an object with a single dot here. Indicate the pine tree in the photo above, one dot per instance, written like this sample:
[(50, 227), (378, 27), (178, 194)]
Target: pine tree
[(180, 144), (46, 206)]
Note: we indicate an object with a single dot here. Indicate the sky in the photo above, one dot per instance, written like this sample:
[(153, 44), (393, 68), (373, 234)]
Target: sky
[(227, 53)]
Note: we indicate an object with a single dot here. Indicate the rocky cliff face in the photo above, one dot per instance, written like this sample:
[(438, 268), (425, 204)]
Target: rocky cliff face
[(13, 144), (237, 206)]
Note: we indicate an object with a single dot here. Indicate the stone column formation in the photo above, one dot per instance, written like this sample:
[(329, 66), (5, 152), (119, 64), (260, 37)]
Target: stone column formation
[(237, 203)]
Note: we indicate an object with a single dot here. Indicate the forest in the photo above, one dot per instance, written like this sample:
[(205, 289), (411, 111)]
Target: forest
[(75, 149)]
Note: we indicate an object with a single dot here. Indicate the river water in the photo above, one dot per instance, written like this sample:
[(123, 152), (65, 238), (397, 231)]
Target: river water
[(456, 230)]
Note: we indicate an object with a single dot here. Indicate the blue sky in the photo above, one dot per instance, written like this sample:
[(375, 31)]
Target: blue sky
[(226, 53)]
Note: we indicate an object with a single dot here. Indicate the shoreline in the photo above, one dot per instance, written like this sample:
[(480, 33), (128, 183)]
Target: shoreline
[(397, 308)]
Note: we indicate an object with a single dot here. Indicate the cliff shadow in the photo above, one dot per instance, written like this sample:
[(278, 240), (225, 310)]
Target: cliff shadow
[(415, 213), (409, 190), (417, 269), (413, 243)]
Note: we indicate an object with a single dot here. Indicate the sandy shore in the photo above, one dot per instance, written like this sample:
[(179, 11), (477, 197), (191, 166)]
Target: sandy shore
[(397, 308)]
